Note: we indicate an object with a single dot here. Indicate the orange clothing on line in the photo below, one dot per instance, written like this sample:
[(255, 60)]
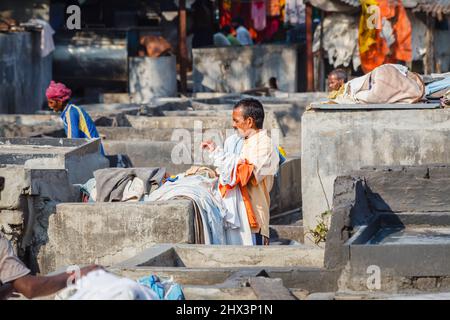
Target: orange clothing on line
[(374, 50), (243, 174)]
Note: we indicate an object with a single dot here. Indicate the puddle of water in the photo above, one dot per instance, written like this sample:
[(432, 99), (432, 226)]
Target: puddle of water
[(411, 235)]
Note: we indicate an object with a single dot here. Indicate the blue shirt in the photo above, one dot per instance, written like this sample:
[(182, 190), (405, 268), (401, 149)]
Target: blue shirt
[(78, 124)]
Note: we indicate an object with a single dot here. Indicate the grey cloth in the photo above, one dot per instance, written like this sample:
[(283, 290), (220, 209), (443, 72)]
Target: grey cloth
[(111, 182)]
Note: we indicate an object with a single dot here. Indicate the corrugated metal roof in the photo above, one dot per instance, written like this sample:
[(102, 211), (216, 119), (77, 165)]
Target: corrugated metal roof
[(354, 3), (434, 7)]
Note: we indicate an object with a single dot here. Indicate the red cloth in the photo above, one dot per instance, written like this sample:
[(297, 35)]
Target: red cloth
[(58, 91)]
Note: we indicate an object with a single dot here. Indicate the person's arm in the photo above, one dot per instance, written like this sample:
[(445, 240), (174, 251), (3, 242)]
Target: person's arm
[(73, 124), (37, 286), (33, 286)]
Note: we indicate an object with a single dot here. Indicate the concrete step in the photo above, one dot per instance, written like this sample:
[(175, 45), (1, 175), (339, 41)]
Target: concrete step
[(286, 233)]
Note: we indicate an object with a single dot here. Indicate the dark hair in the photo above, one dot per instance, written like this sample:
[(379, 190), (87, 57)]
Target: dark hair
[(252, 108), (341, 74), (226, 29), (273, 83), (238, 20)]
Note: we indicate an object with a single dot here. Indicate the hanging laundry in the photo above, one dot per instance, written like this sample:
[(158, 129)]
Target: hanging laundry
[(273, 8), (259, 15), (377, 18), (339, 40), (418, 38), (295, 12), (47, 42), (225, 13)]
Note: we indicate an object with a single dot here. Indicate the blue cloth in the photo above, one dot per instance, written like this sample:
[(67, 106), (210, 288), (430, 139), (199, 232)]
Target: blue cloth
[(437, 86), (165, 290), (78, 124)]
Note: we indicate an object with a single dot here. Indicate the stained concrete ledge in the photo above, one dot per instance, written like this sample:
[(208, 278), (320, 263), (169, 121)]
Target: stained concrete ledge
[(218, 256), (107, 233), (397, 219), (335, 143), (81, 157)]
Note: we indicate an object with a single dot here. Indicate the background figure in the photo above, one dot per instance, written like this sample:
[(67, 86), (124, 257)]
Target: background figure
[(242, 34), (336, 79), (227, 31)]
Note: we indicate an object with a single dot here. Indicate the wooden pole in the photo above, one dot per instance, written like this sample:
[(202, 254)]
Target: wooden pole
[(182, 46), (429, 61), (321, 73), (309, 53)]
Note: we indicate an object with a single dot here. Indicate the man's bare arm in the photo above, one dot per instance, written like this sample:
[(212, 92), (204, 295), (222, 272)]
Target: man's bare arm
[(37, 286)]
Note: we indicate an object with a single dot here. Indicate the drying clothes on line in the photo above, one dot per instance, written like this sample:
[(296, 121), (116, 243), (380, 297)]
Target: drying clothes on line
[(201, 190), (47, 43), (273, 8), (166, 289), (374, 34), (295, 12), (389, 83), (418, 38), (117, 184), (340, 40), (259, 15), (102, 285)]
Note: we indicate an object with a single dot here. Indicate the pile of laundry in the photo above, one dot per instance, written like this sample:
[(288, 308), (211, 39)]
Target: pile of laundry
[(103, 285), (198, 184), (122, 184), (437, 88)]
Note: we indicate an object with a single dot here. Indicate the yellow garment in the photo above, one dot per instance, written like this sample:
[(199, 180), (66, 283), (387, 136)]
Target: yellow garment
[(335, 93), (368, 36), (259, 151)]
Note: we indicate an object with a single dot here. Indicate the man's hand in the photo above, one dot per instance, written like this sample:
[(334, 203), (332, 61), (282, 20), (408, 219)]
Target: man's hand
[(209, 145)]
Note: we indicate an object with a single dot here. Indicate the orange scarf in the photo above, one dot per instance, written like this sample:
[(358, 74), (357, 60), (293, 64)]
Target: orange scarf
[(243, 174)]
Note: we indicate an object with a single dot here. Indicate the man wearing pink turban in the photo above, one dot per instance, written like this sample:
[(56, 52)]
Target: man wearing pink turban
[(77, 122)]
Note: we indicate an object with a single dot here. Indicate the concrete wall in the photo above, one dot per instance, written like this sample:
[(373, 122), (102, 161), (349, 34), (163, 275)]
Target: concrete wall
[(236, 69), (152, 78), (371, 202), (144, 153), (108, 233), (24, 74), (286, 191), (335, 143)]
